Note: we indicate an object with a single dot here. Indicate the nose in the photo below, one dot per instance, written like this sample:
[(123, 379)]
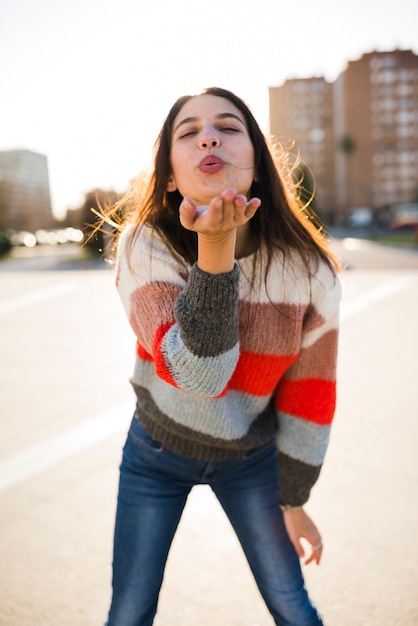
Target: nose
[(209, 139)]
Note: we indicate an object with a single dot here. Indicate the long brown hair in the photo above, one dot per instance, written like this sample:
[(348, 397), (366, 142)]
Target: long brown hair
[(282, 222)]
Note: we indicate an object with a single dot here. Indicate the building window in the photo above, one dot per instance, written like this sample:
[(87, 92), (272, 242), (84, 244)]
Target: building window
[(404, 89), (403, 131), (388, 61), (378, 160)]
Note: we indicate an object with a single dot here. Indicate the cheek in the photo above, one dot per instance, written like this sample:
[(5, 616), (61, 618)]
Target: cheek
[(180, 162), (246, 159), (248, 155)]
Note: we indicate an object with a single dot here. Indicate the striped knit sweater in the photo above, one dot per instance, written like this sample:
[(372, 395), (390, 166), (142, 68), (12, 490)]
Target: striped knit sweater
[(223, 366)]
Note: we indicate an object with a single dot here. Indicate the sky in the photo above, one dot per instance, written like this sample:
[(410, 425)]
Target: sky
[(88, 83)]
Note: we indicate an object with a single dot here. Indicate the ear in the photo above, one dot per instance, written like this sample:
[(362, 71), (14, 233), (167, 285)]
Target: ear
[(171, 185)]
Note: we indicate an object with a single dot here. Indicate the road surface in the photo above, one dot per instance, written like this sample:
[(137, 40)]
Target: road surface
[(66, 402)]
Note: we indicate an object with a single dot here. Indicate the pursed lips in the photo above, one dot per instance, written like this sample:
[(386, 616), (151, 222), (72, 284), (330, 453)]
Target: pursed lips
[(211, 164)]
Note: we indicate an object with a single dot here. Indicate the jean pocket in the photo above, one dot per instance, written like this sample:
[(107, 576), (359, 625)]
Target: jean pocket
[(143, 438)]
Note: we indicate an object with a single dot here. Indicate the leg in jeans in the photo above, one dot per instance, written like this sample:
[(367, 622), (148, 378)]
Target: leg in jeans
[(150, 504), (249, 494)]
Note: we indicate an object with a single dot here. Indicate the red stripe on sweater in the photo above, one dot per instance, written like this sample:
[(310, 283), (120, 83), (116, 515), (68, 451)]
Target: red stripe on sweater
[(255, 374), (142, 353), (258, 374), (311, 399)]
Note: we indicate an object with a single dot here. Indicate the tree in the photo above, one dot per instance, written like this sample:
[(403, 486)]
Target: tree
[(347, 144)]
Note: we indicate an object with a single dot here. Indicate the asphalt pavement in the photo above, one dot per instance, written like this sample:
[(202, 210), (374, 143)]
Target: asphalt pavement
[(66, 403)]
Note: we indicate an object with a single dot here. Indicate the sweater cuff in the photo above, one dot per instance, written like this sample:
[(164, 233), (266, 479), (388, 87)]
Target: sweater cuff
[(296, 480)]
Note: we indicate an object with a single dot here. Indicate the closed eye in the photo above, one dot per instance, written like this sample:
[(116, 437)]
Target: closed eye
[(188, 133), (230, 129), (224, 129)]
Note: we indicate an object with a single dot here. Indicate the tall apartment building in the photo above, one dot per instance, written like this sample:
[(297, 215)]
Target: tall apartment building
[(301, 111), (372, 156), (25, 201)]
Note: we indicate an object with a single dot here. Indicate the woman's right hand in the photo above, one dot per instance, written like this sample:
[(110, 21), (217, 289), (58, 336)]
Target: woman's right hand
[(224, 213), (216, 226)]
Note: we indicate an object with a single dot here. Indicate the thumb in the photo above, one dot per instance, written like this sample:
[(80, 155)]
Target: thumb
[(187, 212)]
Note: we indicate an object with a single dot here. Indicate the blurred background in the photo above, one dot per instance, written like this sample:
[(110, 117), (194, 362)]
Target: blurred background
[(87, 84)]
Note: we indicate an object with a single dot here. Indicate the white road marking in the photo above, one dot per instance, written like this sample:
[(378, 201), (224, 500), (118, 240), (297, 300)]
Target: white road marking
[(42, 456), (34, 297), (38, 458), (386, 290)]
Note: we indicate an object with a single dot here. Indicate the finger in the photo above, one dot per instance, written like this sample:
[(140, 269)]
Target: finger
[(191, 214), (233, 207), (233, 203), (240, 208), (187, 212), (316, 553), (245, 209), (252, 207), (228, 195), (216, 210), (188, 205)]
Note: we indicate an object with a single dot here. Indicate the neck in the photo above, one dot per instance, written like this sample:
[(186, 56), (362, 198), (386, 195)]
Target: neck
[(244, 243)]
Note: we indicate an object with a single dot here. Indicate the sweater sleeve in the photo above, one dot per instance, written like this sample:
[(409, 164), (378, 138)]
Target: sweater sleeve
[(305, 398), (185, 321)]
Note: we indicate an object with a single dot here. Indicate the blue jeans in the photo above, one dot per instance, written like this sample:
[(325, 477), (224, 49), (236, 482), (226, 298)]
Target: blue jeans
[(154, 485)]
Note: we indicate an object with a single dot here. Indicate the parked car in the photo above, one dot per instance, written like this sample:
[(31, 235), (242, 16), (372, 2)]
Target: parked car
[(405, 217)]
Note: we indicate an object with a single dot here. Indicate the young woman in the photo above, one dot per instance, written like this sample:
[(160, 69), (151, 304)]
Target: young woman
[(233, 297)]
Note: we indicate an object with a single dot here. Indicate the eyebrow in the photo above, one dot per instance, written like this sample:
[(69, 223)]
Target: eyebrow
[(221, 116)]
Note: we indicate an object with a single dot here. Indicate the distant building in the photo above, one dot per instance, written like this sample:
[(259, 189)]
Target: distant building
[(369, 144), (377, 108), (301, 110), (25, 201)]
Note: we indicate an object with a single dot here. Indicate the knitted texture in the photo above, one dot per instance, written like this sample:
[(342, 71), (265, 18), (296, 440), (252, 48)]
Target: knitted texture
[(223, 366)]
